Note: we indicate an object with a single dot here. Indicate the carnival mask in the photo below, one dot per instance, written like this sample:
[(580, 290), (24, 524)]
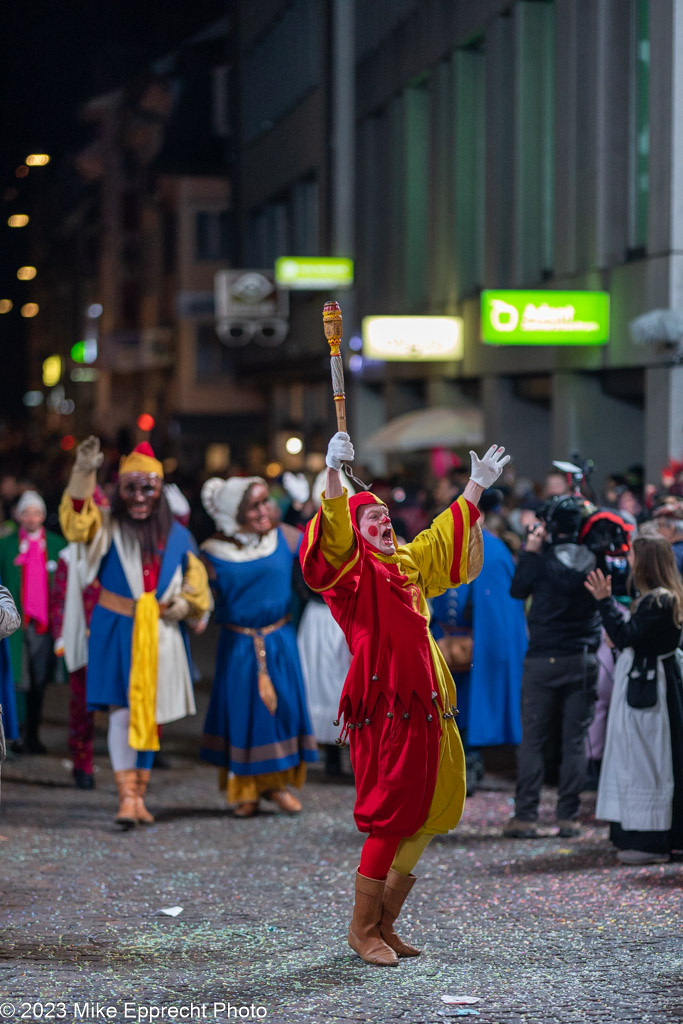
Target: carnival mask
[(140, 493)]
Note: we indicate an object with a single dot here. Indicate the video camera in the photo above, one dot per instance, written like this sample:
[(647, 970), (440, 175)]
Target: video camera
[(574, 519), (563, 516)]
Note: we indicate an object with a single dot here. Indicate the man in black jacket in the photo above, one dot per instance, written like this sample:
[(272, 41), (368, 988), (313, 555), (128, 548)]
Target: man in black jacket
[(561, 667)]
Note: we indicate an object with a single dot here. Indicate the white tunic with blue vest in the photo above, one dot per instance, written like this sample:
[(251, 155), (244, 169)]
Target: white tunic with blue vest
[(118, 567)]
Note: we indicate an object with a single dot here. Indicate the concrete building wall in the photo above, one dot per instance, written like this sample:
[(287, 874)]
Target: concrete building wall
[(548, 92)]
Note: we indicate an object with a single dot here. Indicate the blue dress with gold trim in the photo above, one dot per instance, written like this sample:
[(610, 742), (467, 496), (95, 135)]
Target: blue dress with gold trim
[(240, 733)]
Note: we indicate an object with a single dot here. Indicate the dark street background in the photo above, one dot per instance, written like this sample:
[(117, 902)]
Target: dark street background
[(543, 931)]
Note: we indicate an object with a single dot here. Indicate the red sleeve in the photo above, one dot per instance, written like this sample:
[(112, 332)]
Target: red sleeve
[(57, 598)]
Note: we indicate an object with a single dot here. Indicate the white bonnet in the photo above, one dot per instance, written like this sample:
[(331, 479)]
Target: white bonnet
[(222, 498), (30, 499), (319, 486)]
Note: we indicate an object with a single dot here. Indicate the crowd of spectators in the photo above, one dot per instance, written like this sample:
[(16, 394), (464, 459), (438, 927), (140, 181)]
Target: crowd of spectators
[(498, 616)]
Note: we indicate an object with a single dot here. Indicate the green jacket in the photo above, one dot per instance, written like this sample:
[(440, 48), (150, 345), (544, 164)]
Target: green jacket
[(10, 576)]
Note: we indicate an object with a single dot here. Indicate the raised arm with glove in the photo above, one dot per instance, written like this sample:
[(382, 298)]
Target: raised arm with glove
[(83, 477)]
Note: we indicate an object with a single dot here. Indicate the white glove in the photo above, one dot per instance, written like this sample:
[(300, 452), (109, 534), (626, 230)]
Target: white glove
[(297, 487), (486, 471), (179, 505), (178, 608), (339, 450), (88, 455)]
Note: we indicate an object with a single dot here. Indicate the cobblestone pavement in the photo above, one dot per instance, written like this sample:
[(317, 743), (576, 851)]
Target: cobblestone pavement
[(542, 931)]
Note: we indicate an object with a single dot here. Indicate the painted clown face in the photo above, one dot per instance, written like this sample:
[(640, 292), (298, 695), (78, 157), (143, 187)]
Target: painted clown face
[(140, 493), (374, 524)]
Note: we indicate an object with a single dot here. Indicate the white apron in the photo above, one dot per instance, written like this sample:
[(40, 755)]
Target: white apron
[(325, 660), (636, 779)]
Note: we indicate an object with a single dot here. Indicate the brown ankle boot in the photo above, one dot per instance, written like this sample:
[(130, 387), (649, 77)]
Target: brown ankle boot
[(396, 888), (143, 815), (126, 782), (364, 936)]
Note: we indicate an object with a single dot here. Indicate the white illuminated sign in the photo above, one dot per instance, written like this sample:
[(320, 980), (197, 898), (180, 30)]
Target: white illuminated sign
[(413, 338)]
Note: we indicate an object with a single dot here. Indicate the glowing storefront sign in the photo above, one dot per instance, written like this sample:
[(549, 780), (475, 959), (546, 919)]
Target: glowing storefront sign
[(412, 338), (314, 273), (544, 318)]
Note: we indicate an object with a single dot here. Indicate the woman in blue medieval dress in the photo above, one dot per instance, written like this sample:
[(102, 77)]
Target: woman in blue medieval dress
[(257, 727)]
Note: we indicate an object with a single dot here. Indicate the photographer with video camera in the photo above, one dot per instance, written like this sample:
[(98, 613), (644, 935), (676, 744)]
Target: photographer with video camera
[(561, 667)]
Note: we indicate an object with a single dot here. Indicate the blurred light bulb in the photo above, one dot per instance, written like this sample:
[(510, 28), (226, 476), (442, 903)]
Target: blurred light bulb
[(26, 273), (294, 445), (37, 159), (6, 305), (30, 309), (18, 220), (52, 371)]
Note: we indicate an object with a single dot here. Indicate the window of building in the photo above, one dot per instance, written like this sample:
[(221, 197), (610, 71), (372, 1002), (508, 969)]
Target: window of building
[(416, 193), (639, 148), (469, 180), (283, 66), (534, 135), (211, 358), (220, 120), (168, 232), (214, 235), (269, 234), (305, 229)]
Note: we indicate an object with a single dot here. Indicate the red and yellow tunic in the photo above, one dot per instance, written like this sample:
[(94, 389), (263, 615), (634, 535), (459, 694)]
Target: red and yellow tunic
[(398, 702)]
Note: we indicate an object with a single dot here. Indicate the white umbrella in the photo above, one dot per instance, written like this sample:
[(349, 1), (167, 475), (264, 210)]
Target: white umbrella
[(441, 427)]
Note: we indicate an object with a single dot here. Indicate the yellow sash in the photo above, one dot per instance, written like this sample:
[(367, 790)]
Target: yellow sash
[(142, 685)]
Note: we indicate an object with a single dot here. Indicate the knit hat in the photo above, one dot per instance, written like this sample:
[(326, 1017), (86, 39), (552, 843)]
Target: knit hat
[(30, 499), (141, 460), (222, 498)]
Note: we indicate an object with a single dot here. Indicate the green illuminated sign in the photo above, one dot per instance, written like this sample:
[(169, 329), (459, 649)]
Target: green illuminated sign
[(544, 318), (314, 273)]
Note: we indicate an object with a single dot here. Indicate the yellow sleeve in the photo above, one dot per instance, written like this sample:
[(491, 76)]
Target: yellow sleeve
[(79, 527), (195, 587), (449, 552), (337, 541)]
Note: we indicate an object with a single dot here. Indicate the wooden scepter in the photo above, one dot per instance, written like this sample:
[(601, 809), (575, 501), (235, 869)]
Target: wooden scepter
[(332, 325)]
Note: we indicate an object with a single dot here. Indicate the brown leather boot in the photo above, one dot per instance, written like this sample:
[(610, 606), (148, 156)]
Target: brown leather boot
[(285, 800), (364, 936), (126, 782), (396, 888), (143, 815)]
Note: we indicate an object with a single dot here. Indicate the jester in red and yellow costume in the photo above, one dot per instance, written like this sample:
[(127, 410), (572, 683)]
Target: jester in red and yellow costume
[(398, 704)]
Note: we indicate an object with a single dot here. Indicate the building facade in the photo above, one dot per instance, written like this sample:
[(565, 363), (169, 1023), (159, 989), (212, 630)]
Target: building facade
[(452, 146)]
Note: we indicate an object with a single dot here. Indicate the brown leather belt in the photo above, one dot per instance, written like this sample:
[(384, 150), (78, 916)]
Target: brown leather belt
[(122, 605), (266, 689), (262, 631)]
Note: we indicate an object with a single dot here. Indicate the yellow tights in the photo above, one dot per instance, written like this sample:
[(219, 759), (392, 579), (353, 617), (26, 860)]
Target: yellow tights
[(409, 852)]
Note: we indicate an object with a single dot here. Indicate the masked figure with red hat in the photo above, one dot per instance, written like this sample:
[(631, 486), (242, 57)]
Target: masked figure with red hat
[(151, 582), (398, 703)]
